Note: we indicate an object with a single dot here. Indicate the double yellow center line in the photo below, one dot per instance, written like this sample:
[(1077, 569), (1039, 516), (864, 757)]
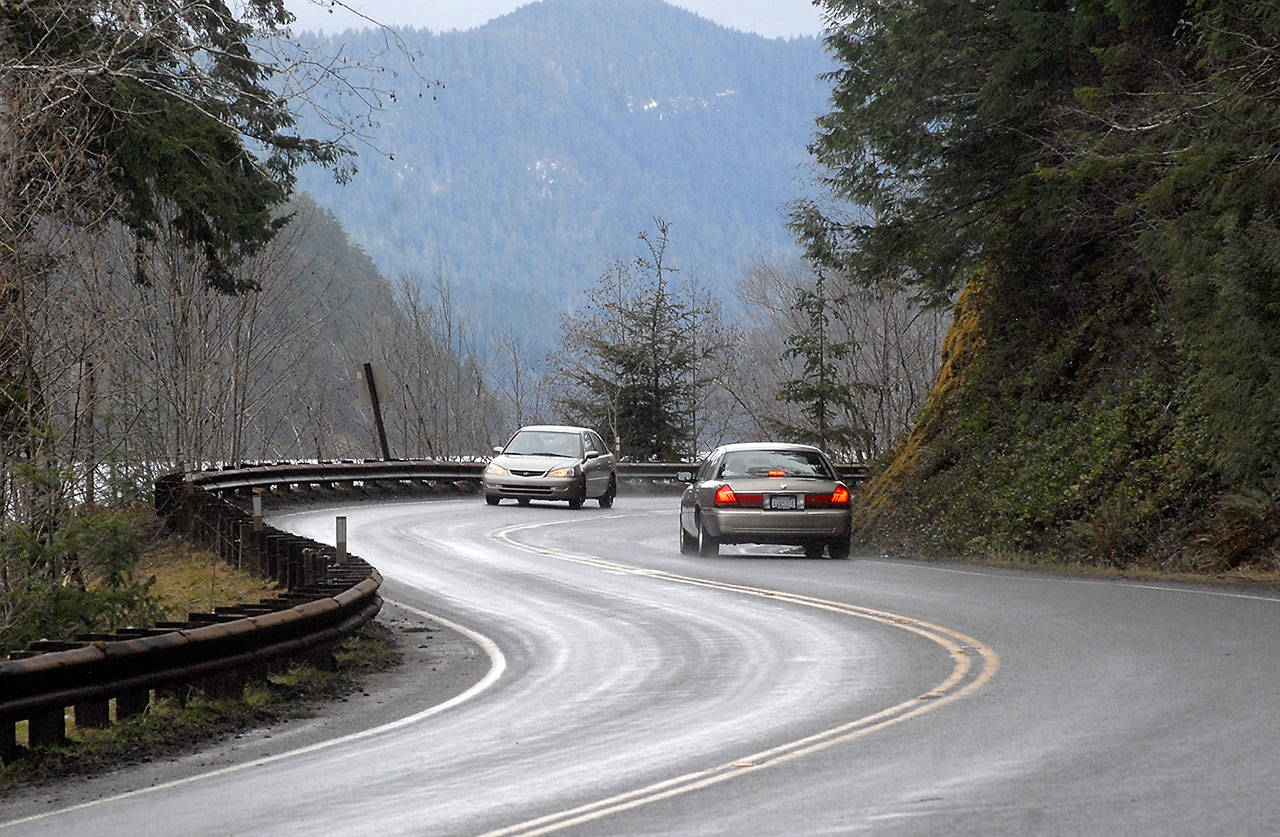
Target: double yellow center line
[(973, 664)]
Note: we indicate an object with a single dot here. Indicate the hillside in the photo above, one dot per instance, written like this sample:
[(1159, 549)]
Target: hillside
[(1108, 198), (560, 131)]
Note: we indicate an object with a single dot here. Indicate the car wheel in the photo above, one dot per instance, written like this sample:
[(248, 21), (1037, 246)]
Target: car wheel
[(708, 545), (492, 499), (813, 550), (576, 501), (839, 549), (688, 543), (606, 499)]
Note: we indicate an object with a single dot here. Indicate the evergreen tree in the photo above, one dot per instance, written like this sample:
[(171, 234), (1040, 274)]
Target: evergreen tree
[(627, 365), (820, 391), (143, 113), (1101, 178)]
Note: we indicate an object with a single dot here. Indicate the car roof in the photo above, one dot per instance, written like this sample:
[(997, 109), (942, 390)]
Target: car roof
[(764, 446), (560, 428)]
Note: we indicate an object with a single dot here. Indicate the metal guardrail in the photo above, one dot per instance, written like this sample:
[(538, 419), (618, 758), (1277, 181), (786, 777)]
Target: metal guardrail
[(383, 475), (329, 594), (328, 597)]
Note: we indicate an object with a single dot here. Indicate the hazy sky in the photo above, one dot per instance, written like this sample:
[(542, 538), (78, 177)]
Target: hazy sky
[(771, 18)]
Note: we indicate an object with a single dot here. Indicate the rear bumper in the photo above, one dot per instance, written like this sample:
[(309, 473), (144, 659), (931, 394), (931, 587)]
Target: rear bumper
[(777, 527)]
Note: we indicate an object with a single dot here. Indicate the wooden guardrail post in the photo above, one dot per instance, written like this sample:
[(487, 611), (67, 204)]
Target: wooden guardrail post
[(250, 549), (130, 704), (47, 728), (8, 740), (93, 714)]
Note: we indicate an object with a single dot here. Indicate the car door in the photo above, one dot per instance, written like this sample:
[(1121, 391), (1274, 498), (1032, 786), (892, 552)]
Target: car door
[(689, 500), (608, 462), (597, 466)]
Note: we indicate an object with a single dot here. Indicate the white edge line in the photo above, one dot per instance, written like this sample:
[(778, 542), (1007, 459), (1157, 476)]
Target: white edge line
[(497, 666), (1191, 588)]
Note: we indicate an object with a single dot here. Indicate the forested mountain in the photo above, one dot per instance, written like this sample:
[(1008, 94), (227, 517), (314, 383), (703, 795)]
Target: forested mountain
[(558, 132)]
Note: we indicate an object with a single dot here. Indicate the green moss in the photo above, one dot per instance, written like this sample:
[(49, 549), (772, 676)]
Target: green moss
[(1065, 445)]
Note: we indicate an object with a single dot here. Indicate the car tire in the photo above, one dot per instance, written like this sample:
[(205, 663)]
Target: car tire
[(813, 550), (839, 549), (492, 499), (688, 543), (606, 499), (708, 545), (576, 501)]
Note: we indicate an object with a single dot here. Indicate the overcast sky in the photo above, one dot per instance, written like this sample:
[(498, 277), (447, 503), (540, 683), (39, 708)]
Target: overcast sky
[(771, 18)]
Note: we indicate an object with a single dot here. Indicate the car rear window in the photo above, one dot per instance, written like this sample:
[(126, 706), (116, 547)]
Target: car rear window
[(776, 463)]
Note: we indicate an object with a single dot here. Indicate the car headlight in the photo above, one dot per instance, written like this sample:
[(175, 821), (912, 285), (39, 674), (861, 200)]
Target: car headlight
[(495, 469), (571, 471)]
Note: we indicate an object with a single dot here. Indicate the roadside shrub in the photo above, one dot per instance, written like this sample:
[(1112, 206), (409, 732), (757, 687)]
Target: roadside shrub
[(77, 577)]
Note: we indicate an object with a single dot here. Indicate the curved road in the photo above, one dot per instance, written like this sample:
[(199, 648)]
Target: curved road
[(627, 689)]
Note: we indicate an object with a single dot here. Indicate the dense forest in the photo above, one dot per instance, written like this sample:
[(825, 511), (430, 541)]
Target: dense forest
[(1101, 182), (553, 135)]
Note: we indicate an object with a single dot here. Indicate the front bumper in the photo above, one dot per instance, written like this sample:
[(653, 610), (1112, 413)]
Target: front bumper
[(531, 488)]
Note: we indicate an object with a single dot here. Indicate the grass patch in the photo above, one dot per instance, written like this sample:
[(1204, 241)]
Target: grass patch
[(170, 726), (188, 580)]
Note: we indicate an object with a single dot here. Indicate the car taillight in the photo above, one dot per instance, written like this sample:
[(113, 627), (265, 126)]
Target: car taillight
[(726, 497), (839, 497), (777, 475)]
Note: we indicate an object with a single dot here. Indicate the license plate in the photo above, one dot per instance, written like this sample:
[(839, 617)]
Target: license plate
[(782, 502)]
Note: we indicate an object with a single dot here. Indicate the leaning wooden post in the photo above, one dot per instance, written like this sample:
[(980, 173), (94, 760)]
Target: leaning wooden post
[(377, 411)]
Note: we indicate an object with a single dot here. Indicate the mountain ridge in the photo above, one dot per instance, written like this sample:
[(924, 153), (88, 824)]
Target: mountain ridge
[(560, 132)]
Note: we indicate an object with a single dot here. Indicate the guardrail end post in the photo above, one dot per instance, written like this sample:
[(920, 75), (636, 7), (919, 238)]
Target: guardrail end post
[(47, 728), (94, 714)]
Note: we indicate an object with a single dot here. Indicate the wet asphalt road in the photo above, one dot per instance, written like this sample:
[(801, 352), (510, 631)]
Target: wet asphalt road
[(626, 689)]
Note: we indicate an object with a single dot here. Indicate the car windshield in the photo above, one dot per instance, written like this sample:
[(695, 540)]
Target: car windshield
[(775, 463), (545, 443)]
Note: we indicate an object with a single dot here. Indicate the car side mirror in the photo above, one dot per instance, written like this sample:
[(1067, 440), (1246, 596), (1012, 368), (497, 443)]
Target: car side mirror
[(497, 448), (685, 476), (592, 454)]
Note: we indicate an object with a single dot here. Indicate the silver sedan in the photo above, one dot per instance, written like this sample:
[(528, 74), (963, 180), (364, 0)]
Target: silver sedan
[(552, 462), (766, 492)]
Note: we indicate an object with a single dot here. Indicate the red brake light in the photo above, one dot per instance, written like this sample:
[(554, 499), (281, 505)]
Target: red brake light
[(777, 475), (839, 497), (726, 497)]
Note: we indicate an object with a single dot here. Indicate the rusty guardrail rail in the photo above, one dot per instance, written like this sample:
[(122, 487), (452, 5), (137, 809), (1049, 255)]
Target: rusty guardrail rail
[(380, 476), (329, 594)]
